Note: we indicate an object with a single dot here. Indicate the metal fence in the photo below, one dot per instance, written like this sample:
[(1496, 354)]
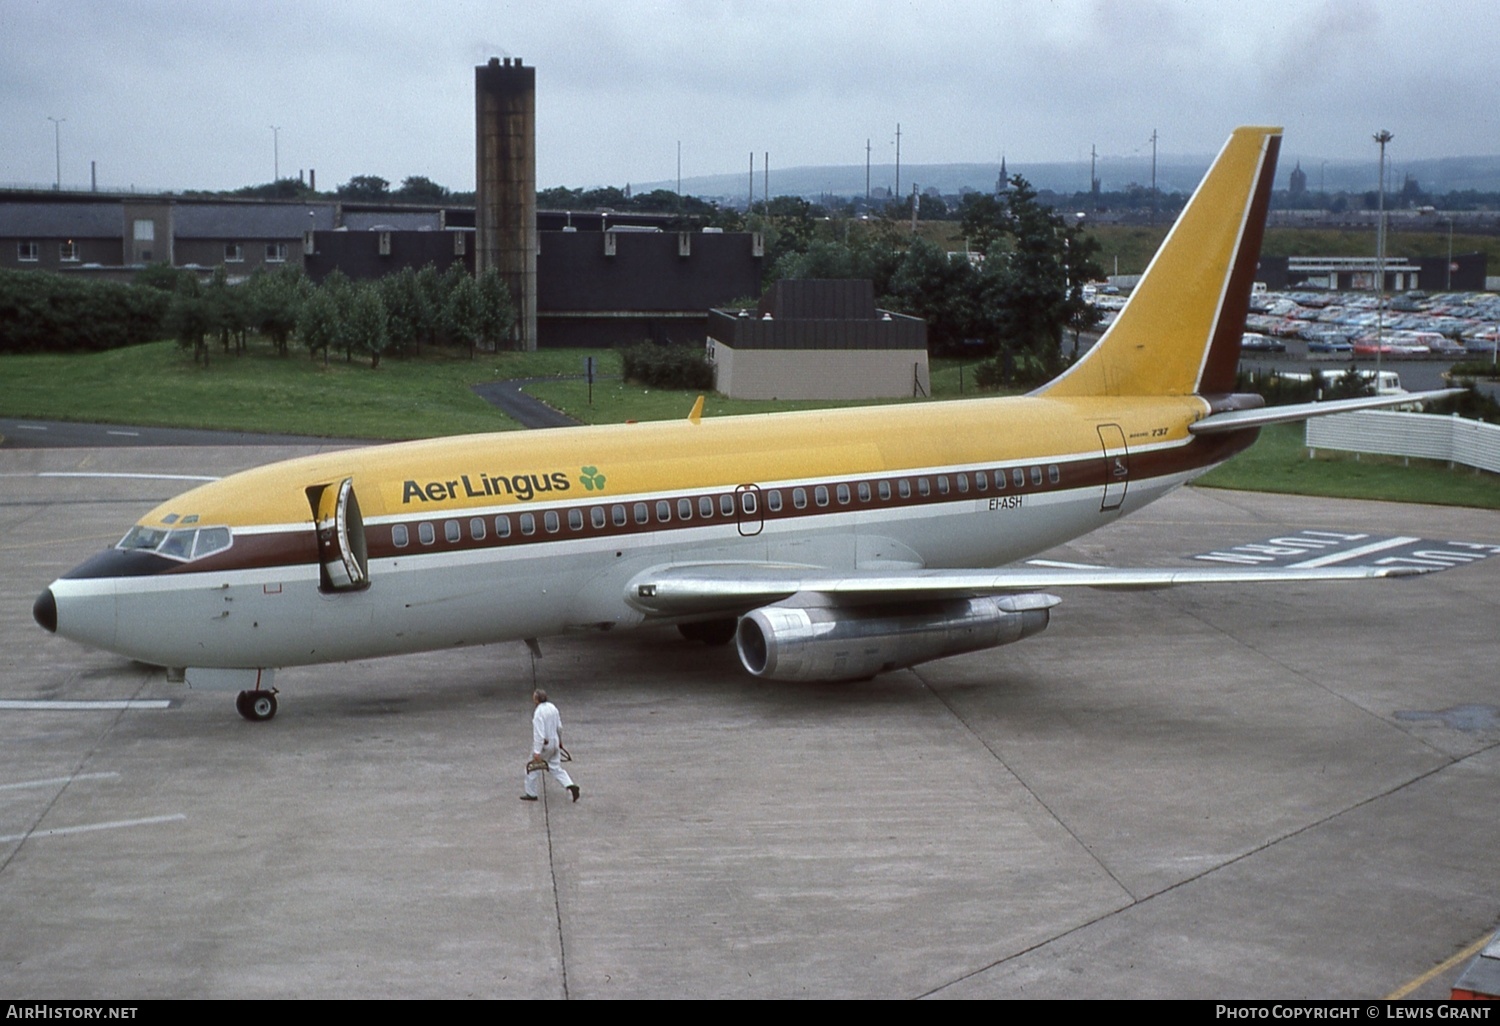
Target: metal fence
[(1424, 435)]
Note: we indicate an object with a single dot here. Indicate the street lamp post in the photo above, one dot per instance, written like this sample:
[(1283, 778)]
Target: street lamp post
[(57, 148), (1382, 137), (275, 153)]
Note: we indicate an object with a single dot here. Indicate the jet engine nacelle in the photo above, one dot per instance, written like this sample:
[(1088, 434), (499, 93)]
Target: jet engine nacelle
[(810, 638)]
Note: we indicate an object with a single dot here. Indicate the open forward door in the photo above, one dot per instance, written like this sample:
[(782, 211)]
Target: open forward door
[(342, 556)]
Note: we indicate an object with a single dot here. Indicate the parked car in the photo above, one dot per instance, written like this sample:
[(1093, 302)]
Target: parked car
[(1251, 342)]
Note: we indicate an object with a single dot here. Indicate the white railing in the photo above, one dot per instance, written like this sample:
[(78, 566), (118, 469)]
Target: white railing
[(1424, 435)]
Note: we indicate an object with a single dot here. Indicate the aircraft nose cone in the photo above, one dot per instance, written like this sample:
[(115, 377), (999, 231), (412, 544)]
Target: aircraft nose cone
[(44, 609)]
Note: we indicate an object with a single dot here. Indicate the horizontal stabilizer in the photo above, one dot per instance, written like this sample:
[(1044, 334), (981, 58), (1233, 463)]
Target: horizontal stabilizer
[(1237, 420)]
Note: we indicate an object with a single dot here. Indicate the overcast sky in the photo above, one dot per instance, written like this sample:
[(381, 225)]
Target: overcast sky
[(175, 94)]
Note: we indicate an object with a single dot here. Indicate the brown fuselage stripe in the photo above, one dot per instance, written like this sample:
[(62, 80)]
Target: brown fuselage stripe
[(299, 547)]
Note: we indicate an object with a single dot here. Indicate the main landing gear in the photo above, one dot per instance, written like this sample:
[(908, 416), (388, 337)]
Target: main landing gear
[(256, 706)]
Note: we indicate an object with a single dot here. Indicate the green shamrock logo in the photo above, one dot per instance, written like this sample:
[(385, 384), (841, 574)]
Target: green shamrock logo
[(592, 479)]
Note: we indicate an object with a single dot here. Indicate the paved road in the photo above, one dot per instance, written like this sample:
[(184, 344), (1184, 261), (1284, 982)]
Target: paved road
[(524, 409)]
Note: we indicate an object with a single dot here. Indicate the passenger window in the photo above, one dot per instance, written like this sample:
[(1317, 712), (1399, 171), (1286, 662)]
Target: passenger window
[(476, 528), (923, 488), (502, 527), (642, 513), (773, 501), (575, 519), (399, 536), (1036, 476), (799, 498), (1019, 477), (618, 515), (748, 503), (596, 517), (705, 507), (864, 491), (963, 484), (426, 533), (842, 492), (981, 482), (528, 524), (903, 488), (726, 504), (551, 521), (999, 480), (684, 509), (820, 495), (1054, 474), (663, 511), (942, 483), (451, 531), (885, 491)]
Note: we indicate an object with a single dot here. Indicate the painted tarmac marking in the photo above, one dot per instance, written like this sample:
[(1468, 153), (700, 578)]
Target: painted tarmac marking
[(1311, 550), (40, 704), (1363, 550), (125, 434), (30, 427), (1462, 956), (139, 477), (91, 827), (55, 781)]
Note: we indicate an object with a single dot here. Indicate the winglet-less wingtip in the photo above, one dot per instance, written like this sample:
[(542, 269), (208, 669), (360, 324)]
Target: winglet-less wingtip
[(697, 412)]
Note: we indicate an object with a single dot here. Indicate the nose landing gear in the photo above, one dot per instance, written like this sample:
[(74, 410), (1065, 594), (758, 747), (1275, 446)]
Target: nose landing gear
[(256, 706)]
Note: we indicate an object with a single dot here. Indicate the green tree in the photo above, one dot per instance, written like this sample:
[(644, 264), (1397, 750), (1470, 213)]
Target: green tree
[(274, 300), (190, 318), (496, 314), (365, 188), (417, 189), (366, 321), (318, 323)]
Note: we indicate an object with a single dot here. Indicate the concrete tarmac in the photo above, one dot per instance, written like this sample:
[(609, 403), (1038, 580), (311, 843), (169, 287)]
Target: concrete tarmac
[(1206, 792)]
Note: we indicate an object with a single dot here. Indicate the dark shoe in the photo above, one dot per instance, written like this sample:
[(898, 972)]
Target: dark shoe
[(574, 789), (532, 798)]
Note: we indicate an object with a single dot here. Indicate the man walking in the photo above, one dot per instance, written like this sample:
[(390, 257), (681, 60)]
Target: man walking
[(546, 748)]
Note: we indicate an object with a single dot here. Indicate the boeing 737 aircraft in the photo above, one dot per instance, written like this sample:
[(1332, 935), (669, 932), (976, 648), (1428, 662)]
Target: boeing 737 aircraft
[(830, 545)]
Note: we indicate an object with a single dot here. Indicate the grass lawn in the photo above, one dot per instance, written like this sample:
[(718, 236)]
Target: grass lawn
[(1278, 463)]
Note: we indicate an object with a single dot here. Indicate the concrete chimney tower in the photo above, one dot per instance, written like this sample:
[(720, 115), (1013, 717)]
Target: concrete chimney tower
[(505, 183)]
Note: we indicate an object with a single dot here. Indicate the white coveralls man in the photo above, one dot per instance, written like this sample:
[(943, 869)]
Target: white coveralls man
[(546, 746)]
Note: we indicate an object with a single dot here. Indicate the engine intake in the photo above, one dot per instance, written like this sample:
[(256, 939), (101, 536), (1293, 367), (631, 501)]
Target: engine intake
[(811, 638)]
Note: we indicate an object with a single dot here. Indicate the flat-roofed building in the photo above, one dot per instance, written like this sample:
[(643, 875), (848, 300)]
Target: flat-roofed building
[(818, 339)]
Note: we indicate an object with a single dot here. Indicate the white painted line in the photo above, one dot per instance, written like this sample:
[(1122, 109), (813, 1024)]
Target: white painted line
[(139, 477), (1348, 554), (54, 781), (30, 427), (1055, 564), (126, 434), (89, 828), (38, 704)]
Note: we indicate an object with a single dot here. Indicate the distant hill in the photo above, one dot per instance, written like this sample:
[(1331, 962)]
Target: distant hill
[(1173, 174)]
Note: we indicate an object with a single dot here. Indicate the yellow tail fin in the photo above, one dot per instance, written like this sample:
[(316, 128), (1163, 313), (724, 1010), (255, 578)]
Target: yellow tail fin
[(1179, 334)]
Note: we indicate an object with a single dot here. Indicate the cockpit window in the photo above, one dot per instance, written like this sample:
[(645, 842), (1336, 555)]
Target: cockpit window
[(178, 544), (147, 538), (182, 543)]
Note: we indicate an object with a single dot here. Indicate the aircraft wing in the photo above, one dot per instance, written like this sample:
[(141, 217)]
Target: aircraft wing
[(692, 589)]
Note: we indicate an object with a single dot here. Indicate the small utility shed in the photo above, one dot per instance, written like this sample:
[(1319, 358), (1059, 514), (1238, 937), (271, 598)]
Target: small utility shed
[(816, 339)]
